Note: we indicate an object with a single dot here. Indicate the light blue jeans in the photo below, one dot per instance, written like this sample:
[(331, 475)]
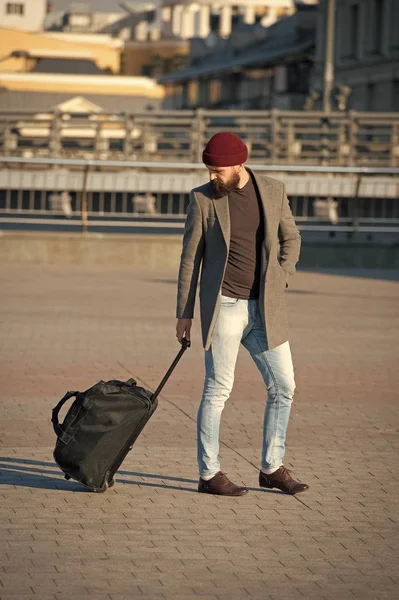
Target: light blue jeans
[(240, 322)]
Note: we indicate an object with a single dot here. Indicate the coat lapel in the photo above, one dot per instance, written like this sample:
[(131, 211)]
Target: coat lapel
[(223, 214), (269, 197)]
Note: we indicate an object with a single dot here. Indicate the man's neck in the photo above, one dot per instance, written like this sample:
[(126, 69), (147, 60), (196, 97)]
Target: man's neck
[(244, 178)]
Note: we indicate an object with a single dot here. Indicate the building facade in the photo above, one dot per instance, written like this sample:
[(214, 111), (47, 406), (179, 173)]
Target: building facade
[(26, 15), (197, 19), (366, 54), (88, 17), (55, 71), (20, 50), (150, 49), (254, 68)]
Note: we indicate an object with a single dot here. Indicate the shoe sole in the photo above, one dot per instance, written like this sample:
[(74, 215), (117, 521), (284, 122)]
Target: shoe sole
[(230, 495), (271, 487)]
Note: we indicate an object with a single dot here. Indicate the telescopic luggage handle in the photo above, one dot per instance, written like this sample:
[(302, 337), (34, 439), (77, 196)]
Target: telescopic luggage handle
[(184, 345), (54, 417)]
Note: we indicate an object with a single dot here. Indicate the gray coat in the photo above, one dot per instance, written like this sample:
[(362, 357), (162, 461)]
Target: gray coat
[(207, 240)]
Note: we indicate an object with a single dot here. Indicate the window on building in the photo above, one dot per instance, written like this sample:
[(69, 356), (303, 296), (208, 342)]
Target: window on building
[(395, 95), (146, 70), (394, 20), (353, 30), (122, 63), (203, 93), (298, 75), (214, 91), (193, 93), (229, 88), (184, 95), (15, 8), (350, 24), (377, 23), (214, 22), (370, 105)]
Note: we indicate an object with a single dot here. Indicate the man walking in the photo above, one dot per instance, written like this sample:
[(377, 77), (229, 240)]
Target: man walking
[(240, 228)]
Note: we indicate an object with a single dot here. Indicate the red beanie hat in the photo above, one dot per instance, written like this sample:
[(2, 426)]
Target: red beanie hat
[(225, 149)]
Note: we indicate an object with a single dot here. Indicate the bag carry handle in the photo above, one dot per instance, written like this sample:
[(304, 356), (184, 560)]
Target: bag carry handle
[(54, 418), (184, 345)]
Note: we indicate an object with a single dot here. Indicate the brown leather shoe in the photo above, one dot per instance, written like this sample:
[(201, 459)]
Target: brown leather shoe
[(282, 480), (220, 485)]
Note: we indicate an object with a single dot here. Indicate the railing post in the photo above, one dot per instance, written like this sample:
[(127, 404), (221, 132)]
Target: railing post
[(290, 141), (355, 203), (394, 145), (10, 140), (98, 146), (325, 144), (352, 137), (127, 143), (84, 207), (198, 133), (274, 135), (150, 140), (343, 149), (55, 135)]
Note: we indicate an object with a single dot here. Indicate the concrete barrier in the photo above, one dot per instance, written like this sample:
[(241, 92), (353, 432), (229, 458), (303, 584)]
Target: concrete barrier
[(164, 250), (350, 256), (90, 249)]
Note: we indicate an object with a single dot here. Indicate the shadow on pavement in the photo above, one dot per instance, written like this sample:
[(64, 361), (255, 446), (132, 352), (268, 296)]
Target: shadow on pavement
[(24, 473), (165, 477), (20, 476), (27, 473)]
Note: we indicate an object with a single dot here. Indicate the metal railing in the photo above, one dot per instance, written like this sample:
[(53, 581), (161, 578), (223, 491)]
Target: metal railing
[(273, 137), (82, 191)]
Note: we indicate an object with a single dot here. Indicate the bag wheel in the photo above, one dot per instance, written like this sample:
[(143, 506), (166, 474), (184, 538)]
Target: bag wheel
[(107, 485), (100, 491)]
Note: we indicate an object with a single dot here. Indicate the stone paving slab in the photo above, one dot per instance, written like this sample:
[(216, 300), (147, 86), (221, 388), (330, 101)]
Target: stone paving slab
[(152, 535)]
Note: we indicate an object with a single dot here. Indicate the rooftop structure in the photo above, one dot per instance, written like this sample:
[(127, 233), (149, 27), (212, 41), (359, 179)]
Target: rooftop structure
[(26, 15)]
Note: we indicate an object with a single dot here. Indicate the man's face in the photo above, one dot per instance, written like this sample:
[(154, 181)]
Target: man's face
[(223, 179)]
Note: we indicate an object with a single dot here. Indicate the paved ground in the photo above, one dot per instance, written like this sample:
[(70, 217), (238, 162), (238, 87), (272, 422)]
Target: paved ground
[(153, 535)]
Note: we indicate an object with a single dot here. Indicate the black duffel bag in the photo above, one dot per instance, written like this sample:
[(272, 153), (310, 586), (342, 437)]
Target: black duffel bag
[(101, 427)]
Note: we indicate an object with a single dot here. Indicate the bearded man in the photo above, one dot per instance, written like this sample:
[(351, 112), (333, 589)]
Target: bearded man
[(240, 229)]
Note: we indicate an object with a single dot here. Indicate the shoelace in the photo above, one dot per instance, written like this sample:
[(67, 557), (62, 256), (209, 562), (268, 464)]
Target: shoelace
[(224, 479), (284, 471)]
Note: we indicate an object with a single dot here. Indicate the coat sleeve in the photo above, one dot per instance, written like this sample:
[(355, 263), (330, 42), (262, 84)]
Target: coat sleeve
[(190, 262), (289, 238)]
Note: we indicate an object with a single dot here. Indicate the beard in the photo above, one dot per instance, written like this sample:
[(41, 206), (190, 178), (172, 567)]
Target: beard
[(220, 189)]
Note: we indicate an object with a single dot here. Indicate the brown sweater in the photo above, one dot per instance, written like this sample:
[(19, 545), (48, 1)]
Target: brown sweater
[(241, 279)]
